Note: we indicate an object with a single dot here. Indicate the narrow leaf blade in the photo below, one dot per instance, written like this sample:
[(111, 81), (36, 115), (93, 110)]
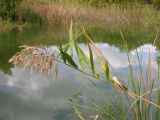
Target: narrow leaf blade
[(80, 56), (71, 38), (91, 58), (69, 59)]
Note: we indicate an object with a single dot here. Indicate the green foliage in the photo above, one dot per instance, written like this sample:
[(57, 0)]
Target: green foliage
[(8, 8), (156, 1), (93, 50), (67, 58), (102, 3), (141, 112), (32, 17), (71, 38), (76, 108), (91, 58), (80, 56), (98, 3)]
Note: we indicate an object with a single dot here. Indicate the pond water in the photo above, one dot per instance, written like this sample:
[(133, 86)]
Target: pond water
[(30, 96)]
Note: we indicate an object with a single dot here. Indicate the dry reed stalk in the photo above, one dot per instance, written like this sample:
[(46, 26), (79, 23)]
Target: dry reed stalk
[(34, 58)]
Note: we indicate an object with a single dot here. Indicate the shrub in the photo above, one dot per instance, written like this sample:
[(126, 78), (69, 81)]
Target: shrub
[(156, 1), (8, 8), (32, 17)]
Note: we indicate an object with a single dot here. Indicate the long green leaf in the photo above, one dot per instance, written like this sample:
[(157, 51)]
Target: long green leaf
[(68, 58), (71, 38), (61, 53), (104, 65), (80, 57), (87, 61), (78, 112), (102, 61), (91, 58), (86, 58), (64, 48)]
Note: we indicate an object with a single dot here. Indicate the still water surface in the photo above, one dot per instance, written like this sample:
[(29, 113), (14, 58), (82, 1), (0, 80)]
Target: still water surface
[(30, 96)]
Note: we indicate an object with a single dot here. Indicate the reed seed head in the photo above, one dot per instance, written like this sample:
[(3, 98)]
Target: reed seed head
[(34, 58)]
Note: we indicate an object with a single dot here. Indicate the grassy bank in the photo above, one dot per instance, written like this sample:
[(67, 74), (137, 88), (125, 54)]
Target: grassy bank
[(47, 13), (13, 26)]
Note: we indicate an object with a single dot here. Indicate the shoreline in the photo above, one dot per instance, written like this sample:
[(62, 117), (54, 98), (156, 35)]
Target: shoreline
[(58, 14)]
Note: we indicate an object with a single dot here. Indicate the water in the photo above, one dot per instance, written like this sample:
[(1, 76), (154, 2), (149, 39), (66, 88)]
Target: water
[(30, 96)]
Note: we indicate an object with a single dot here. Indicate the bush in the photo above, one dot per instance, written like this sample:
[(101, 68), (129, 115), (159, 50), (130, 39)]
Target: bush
[(8, 8), (156, 1), (32, 17)]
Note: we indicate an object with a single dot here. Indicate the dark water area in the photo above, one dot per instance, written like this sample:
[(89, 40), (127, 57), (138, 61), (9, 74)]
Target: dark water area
[(30, 96)]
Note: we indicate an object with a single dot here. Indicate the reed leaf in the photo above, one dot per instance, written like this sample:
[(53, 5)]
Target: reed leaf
[(71, 38), (78, 112), (80, 57), (87, 61), (103, 63), (91, 58), (68, 58)]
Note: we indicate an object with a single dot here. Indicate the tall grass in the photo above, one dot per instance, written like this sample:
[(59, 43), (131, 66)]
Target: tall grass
[(51, 13), (112, 15), (8, 8)]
